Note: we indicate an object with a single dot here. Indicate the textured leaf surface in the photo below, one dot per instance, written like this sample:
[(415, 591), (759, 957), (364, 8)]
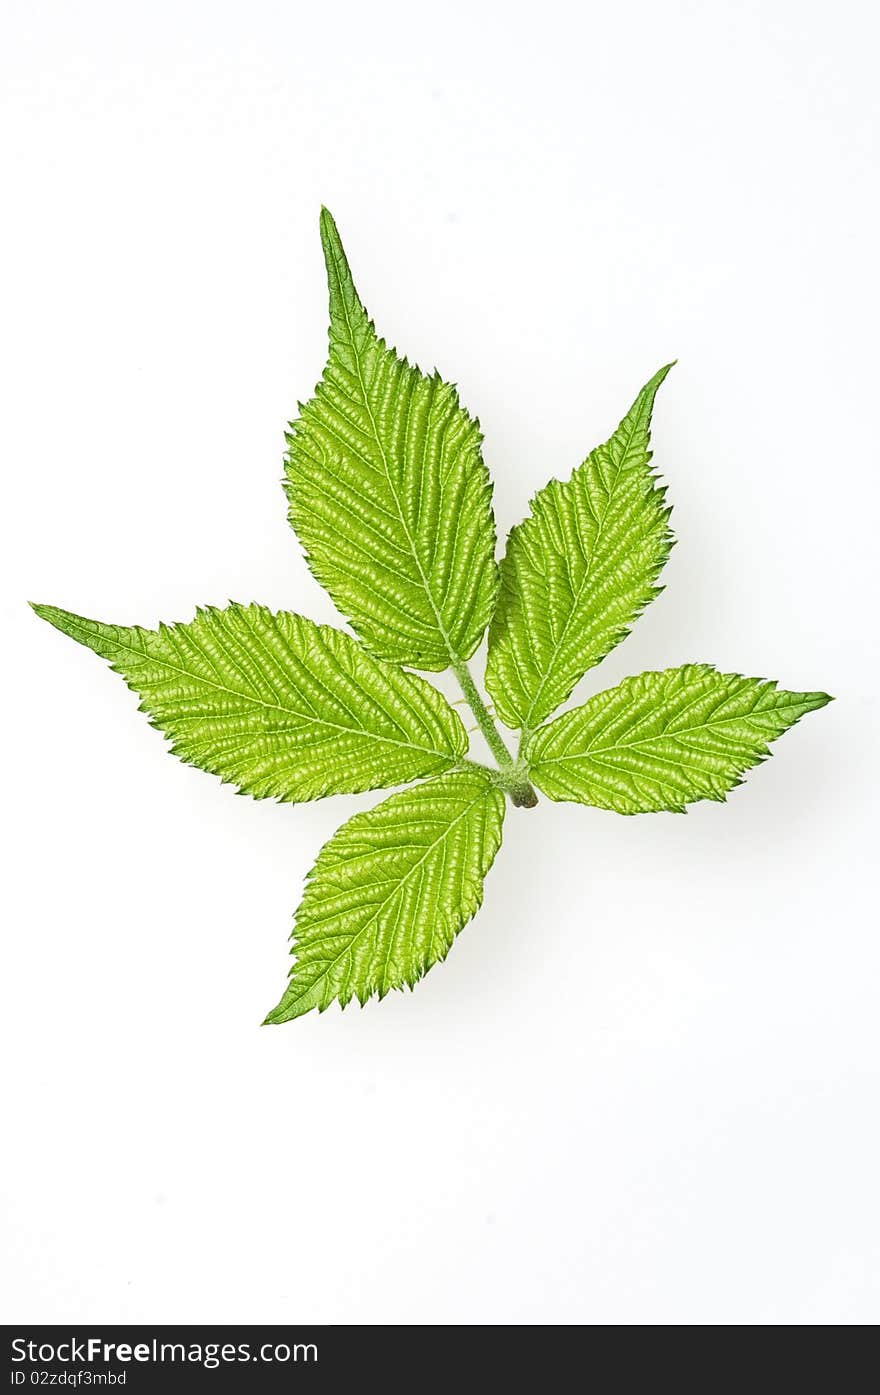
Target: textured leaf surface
[(389, 494), (662, 740), (578, 572), (276, 704), (391, 890)]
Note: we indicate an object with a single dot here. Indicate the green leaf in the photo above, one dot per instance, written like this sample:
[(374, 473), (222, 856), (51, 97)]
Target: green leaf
[(389, 494), (663, 740), (276, 704), (391, 890), (578, 572)]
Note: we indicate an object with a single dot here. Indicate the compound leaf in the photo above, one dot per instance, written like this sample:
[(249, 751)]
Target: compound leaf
[(578, 572), (388, 492), (663, 740), (391, 890), (277, 705)]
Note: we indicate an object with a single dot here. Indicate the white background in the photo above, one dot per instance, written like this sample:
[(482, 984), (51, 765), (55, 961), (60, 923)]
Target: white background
[(644, 1087)]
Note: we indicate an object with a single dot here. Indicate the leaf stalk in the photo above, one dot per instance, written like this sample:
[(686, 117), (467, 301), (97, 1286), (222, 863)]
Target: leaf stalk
[(513, 773)]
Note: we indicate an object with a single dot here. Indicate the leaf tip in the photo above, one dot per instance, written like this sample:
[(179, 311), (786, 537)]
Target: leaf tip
[(344, 299), (818, 700), (330, 240), (276, 1017), (50, 613), (661, 375)]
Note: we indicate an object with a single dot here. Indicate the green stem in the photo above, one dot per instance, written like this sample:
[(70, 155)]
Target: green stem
[(512, 771), (481, 712)]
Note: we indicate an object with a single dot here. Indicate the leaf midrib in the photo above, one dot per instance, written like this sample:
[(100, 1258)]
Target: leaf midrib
[(454, 657), (357, 937), (275, 706), (585, 579), (666, 735)]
